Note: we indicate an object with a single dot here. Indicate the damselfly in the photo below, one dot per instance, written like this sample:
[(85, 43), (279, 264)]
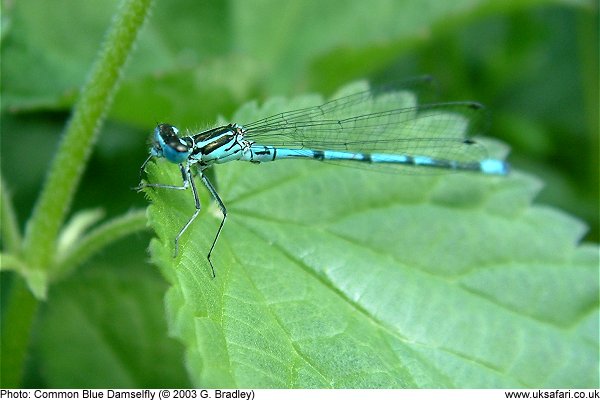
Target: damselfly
[(381, 129)]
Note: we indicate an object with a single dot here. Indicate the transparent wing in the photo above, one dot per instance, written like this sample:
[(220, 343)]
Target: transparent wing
[(380, 120)]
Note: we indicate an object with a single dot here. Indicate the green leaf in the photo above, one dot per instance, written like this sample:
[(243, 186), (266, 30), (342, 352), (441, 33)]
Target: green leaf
[(112, 319), (291, 44), (40, 43), (337, 277)]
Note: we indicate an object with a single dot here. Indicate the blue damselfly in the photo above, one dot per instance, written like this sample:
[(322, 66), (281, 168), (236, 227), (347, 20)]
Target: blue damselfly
[(375, 128)]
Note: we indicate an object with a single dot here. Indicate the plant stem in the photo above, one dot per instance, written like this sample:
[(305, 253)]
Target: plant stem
[(81, 133), (39, 245), (20, 310)]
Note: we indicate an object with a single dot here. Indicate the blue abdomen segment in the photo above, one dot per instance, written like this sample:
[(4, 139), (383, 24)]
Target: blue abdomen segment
[(260, 153)]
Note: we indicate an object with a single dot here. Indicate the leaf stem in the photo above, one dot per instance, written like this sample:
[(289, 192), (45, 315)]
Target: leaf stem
[(100, 237), (11, 237)]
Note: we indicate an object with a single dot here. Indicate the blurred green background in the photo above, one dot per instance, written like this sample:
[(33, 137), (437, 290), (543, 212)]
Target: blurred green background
[(533, 63)]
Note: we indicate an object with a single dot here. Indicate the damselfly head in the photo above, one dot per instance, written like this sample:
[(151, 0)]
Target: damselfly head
[(167, 143)]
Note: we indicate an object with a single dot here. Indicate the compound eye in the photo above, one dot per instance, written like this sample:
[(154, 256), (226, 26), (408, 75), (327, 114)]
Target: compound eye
[(173, 148)]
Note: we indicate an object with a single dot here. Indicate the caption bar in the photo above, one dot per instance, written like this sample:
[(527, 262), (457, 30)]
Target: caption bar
[(301, 394), (145, 394)]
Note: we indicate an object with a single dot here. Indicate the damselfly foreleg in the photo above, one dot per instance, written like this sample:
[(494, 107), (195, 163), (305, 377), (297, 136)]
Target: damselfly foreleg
[(184, 176), (189, 178)]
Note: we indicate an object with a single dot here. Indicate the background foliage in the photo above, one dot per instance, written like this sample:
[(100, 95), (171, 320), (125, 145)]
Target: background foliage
[(533, 63)]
